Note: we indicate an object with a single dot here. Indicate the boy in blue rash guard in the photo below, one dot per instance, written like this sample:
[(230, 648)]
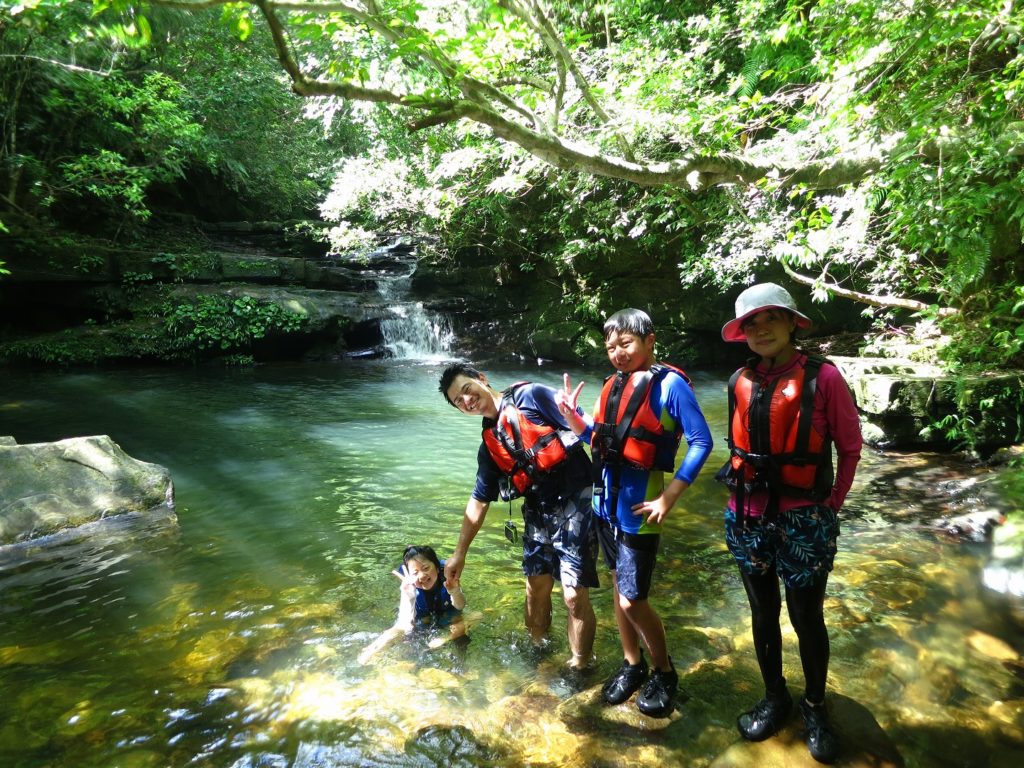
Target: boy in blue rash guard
[(424, 596), (641, 415), (528, 450)]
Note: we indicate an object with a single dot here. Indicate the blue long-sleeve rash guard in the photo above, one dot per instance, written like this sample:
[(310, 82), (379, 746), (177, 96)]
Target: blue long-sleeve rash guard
[(670, 396)]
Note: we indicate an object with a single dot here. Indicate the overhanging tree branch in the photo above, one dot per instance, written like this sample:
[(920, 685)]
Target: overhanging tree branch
[(487, 105), (535, 16), (59, 64), (872, 300)]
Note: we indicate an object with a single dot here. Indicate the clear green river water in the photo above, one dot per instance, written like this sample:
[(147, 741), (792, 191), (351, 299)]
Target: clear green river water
[(230, 639)]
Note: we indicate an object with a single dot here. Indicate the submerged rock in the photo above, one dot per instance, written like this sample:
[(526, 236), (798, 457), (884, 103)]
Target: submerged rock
[(46, 488), (588, 709), (973, 526)]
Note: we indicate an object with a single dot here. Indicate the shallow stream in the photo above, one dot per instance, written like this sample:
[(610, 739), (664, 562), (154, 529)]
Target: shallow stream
[(231, 639)]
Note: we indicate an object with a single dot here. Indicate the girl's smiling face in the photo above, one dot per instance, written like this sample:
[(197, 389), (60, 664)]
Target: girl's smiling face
[(423, 572)]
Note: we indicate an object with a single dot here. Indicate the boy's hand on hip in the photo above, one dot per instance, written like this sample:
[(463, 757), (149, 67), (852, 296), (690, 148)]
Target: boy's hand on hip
[(655, 509)]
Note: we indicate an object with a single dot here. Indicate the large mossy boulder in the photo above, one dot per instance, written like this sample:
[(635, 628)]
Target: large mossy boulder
[(46, 488)]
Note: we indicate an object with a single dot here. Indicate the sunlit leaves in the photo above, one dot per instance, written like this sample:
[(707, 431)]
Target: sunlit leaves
[(139, 135), (776, 83), (238, 17)]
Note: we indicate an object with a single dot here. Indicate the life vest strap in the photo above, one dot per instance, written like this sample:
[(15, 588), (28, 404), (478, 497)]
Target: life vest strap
[(523, 456), (803, 431)]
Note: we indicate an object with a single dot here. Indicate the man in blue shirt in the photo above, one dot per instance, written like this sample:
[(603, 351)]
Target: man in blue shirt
[(528, 450)]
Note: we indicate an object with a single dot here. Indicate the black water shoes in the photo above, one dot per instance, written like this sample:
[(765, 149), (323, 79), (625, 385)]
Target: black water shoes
[(625, 682), (659, 693), (767, 717), (822, 741)]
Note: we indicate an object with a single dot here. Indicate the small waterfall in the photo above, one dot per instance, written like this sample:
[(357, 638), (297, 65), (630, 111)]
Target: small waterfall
[(411, 332)]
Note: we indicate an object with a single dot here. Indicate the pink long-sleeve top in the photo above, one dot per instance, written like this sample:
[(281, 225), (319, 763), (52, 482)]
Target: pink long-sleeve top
[(834, 417)]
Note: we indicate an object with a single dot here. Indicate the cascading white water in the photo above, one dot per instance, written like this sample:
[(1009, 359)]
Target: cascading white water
[(412, 332)]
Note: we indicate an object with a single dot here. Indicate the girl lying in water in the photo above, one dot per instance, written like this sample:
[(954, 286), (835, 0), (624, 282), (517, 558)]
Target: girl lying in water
[(423, 596)]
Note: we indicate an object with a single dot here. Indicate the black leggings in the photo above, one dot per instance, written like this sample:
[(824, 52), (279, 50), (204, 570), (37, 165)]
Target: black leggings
[(806, 612)]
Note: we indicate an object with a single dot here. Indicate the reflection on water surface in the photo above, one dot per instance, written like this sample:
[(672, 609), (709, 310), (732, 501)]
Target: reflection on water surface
[(231, 640)]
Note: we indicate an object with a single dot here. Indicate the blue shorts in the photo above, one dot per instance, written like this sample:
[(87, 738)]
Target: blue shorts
[(800, 543), (559, 539), (631, 555)]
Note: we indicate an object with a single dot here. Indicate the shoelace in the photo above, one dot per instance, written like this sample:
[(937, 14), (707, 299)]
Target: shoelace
[(766, 708), (658, 679), (815, 722)]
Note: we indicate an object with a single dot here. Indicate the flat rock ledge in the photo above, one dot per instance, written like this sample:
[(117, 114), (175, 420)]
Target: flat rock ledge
[(48, 488), (901, 402)]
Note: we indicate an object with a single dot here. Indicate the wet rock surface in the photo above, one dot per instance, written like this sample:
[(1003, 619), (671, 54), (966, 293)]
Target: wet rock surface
[(864, 743), (902, 401), (46, 488)]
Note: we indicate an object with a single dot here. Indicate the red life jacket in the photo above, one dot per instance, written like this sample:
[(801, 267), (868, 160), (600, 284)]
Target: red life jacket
[(626, 429), (772, 444), (524, 451)]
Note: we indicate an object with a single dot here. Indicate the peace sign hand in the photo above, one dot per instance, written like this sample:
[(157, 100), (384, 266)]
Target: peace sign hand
[(568, 397)]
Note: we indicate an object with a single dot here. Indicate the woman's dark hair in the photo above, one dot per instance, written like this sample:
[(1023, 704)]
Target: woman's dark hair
[(634, 321), (452, 372), (427, 553)]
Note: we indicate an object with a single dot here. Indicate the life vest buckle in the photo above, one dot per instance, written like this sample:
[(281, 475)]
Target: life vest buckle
[(507, 490)]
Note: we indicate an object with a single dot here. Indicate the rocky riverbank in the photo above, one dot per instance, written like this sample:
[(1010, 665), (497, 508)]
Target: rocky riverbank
[(257, 292)]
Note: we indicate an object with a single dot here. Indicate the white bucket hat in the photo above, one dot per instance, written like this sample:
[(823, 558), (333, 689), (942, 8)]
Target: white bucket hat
[(758, 298)]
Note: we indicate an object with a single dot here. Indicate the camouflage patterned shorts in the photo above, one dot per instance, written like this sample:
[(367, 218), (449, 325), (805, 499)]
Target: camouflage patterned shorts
[(559, 538)]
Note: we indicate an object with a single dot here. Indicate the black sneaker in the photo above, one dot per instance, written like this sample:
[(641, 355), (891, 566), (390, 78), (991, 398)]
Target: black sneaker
[(658, 695), (822, 741), (767, 717), (625, 682)]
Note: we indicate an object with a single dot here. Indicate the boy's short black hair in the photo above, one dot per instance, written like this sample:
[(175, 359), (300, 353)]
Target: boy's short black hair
[(634, 321), (452, 372), (427, 553)]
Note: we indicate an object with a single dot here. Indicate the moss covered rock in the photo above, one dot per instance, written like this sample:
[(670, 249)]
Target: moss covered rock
[(46, 488)]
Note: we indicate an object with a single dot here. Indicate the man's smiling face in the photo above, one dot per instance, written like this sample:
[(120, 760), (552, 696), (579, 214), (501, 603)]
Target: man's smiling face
[(472, 396)]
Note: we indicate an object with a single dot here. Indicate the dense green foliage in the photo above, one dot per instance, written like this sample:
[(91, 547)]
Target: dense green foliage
[(922, 102), (88, 136), (97, 131), (869, 149), (165, 329), (218, 322)]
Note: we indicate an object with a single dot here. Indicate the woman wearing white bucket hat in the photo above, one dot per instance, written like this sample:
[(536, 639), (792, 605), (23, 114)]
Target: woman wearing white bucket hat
[(758, 298), (786, 410)]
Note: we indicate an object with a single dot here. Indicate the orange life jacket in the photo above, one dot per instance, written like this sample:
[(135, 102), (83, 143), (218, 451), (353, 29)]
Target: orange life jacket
[(524, 451), (772, 443), (626, 429)]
